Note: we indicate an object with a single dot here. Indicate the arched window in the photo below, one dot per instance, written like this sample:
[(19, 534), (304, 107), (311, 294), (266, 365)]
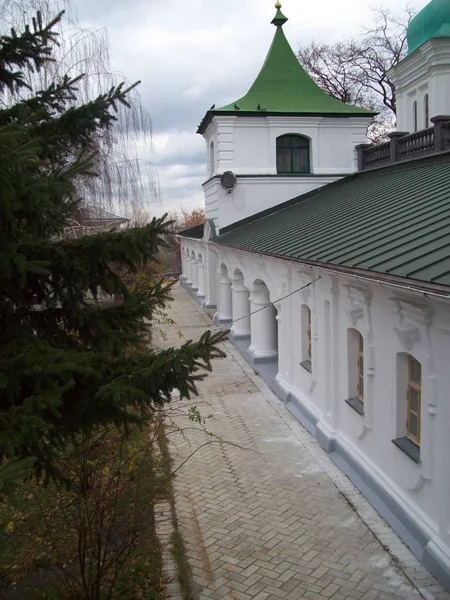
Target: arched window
[(415, 115), (293, 154), (356, 387), (212, 165), (427, 111), (409, 405), (414, 400), (306, 338)]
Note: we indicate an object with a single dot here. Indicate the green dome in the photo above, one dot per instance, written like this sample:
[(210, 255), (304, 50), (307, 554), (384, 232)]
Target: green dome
[(433, 21)]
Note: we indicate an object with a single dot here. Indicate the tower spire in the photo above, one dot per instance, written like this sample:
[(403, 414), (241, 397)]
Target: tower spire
[(279, 20)]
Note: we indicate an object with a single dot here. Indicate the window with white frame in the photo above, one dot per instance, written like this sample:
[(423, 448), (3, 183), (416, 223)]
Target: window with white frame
[(356, 372), (293, 154), (306, 338)]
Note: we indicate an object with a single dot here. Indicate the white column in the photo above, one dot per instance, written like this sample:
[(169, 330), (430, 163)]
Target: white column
[(264, 325), (188, 270), (225, 299), (212, 277), (194, 275), (241, 310), (183, 266), (201, 279)]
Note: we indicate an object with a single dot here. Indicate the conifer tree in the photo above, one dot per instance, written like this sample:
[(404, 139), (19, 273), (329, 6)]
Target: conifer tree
[(69, 364)]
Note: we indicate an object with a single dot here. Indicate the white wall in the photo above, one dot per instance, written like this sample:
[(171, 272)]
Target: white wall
[(425, 71), (253, 195), (247, 146), (391, 321)]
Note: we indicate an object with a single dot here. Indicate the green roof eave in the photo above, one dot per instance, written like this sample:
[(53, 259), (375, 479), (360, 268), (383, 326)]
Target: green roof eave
[(257, 113), (283, 87)]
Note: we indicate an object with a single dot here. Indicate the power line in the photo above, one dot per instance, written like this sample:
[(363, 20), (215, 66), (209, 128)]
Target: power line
[(274, 302)]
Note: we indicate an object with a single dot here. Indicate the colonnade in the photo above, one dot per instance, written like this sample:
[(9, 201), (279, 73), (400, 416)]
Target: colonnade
[(248, 309), (250, 313), (194, 273)]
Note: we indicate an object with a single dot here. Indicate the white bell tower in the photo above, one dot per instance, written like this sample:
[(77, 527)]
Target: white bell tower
[(284, 138)]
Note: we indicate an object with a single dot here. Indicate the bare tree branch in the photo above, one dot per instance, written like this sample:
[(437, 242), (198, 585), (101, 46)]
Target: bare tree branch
[(355, 71)]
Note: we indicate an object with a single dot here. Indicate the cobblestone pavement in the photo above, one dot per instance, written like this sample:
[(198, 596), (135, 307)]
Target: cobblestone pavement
[(266, 514)]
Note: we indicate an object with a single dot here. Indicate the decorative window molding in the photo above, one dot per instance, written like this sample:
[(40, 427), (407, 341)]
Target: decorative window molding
[(407, 336), (410, 311)]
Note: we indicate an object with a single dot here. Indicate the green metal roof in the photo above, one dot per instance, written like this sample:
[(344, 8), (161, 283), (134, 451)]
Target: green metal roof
[(193, 232), (284, 87), (394, 220), (431, 22)]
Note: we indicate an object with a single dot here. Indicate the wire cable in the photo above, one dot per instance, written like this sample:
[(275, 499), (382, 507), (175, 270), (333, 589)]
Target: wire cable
[(273, 303)]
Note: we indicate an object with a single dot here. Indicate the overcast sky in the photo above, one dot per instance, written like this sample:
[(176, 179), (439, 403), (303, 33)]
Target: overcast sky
[(190, 54)]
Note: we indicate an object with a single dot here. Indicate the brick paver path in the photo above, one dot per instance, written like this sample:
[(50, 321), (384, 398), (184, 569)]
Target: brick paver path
[(267, 514)]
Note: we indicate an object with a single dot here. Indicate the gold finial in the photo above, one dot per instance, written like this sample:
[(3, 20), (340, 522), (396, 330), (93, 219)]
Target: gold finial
[(278, 4)]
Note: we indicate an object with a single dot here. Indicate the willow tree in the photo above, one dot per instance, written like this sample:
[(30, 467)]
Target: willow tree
[(127, 182)]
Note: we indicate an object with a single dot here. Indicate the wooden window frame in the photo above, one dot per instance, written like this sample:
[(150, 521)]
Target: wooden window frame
[(360, 368), (309, 337), (417, 387), (306, 147)]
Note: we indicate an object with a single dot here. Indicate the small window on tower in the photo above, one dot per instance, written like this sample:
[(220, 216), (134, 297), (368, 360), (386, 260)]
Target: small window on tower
[(427, 111), (415, 115), (293, 154)]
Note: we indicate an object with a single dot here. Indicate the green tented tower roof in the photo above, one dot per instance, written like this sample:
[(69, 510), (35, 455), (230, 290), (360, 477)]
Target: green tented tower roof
[(431, 22), (284, 87)]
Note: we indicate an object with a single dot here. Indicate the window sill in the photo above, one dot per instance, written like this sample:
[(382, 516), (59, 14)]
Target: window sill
[(409, 448), (356, 404), (306, 364)]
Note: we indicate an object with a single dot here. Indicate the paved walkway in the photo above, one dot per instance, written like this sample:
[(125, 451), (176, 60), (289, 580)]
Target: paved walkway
[(266, 514)]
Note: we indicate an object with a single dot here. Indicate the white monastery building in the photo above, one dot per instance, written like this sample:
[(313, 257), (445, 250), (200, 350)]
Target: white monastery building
[(329, 260)]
